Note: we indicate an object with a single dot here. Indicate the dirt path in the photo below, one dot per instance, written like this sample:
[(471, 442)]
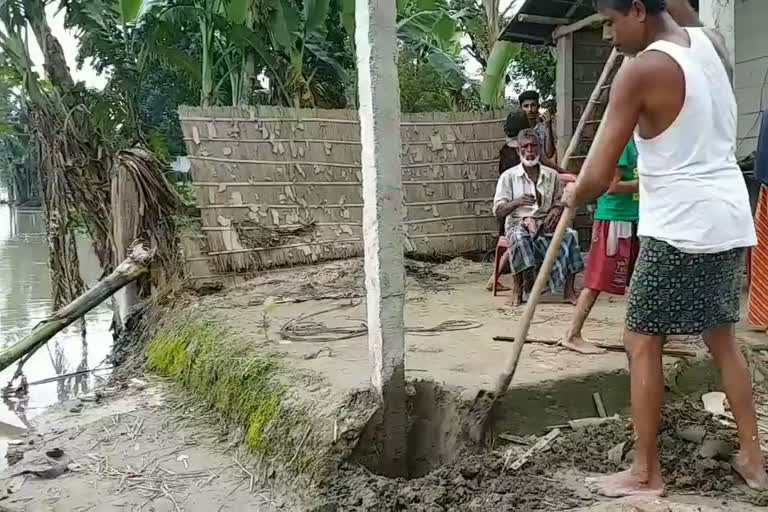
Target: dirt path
[(142, 450)]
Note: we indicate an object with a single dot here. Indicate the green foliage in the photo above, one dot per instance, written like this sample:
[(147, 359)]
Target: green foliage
[(159, 54), (492, 90), (238, 382), (18, 169), (424, 89), (187, 192), (130, 9), (535, 67), (474, 24)]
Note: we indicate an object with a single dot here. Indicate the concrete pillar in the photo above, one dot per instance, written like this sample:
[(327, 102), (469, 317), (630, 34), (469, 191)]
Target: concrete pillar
[(720, 14), (564, 86), (383, 215)]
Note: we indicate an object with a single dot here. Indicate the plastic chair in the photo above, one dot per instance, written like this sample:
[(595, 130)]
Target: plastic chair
[(501, 246)]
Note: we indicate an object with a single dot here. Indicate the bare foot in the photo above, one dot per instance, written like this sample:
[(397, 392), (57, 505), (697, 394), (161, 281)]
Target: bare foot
[(580, 345), (626, 483), (515, 300), (753, 473)]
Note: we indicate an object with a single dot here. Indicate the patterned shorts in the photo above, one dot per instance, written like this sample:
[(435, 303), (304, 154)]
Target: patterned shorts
[(673, 292)]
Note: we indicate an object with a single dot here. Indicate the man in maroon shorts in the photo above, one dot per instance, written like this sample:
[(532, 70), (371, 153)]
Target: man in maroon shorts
[(614, 247)]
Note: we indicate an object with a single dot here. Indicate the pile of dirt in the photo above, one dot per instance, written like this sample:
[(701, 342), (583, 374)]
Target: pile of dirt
[(694, 451), (476, 482)]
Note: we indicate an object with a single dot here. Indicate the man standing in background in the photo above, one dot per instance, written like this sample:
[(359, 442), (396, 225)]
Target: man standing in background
[(529, 102)]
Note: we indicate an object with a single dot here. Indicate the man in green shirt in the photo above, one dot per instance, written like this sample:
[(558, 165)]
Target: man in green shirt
[(614, 247)]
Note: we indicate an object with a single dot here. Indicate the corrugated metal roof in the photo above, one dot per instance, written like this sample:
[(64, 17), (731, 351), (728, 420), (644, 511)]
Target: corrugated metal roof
[(522, 28)]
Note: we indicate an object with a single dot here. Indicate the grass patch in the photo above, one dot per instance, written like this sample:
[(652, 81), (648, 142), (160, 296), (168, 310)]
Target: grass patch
[(236, 380)]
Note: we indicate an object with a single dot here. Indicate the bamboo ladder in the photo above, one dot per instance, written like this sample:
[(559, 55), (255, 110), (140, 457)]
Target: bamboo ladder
[(589, 117), (598, 98)]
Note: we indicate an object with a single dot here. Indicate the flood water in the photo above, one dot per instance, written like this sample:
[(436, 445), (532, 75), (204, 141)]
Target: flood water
[(25, 300)]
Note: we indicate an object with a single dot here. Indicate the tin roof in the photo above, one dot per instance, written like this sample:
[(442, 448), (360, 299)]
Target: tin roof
[(533, 21)]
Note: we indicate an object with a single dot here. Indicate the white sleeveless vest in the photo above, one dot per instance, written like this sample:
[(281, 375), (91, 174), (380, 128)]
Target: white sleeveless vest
[(692, 192)]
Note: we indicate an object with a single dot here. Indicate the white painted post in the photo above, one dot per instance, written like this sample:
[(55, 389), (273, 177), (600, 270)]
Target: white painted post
[(383, 215), (564, 86), (721, 14)]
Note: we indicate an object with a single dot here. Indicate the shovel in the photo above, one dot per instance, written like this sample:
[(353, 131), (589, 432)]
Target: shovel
[(481, 411)]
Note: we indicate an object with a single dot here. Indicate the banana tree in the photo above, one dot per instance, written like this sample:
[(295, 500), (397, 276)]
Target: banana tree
[(494, 81), (431, 30), (501, 54), (295, 37)]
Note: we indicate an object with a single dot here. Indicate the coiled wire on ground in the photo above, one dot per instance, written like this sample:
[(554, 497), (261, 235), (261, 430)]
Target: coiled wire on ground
[(302, 328)]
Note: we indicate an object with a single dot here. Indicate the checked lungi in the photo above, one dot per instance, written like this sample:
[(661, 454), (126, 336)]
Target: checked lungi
[(527, 252)]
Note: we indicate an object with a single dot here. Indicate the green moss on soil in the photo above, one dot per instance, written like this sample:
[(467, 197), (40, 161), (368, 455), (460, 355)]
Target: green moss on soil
[(237, 380)]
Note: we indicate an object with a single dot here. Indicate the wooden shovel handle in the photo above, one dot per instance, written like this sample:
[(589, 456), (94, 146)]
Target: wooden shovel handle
[(530, 307)]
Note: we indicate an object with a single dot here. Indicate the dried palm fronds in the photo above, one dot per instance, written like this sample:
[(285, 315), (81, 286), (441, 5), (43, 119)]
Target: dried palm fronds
[(254, 235), (139, 179)]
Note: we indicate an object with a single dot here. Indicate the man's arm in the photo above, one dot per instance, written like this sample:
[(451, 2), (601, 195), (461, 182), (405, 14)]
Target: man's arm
[(503, 204), (550, 147), (622, 187), (503, 201), (620, 118), (549, 223), (549, 144)]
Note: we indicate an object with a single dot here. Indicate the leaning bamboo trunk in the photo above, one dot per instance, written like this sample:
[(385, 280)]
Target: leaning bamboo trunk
[(133, 267)]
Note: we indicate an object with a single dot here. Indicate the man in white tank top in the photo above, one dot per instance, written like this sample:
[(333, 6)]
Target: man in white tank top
[(695, 220)]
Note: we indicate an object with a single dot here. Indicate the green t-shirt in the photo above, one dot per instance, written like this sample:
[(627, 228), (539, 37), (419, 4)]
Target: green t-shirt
[(622, 206)]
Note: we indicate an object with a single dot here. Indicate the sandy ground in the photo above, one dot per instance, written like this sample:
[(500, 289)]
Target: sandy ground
[(140, 450)]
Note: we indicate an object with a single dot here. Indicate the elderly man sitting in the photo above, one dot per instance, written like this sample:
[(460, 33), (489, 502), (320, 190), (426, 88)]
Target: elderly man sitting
[(528, 199)]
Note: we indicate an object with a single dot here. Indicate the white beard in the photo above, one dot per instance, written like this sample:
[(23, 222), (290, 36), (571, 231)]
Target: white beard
[(532, 162)]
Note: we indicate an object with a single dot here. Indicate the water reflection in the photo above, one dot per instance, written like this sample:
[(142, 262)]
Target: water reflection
[(26, 300)]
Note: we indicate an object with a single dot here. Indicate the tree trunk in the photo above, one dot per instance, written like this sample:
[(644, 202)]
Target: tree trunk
[(126, 227), (55, 64), (133, 267)]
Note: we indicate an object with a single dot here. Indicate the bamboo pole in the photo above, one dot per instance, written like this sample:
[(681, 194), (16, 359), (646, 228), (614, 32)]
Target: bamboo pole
[(133, 267), (214, 119)]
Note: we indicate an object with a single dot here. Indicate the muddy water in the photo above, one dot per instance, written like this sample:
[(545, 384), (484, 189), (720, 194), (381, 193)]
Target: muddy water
[(25, 300)]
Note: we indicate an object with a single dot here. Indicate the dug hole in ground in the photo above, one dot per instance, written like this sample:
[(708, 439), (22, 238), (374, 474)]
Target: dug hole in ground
[(256, 397)]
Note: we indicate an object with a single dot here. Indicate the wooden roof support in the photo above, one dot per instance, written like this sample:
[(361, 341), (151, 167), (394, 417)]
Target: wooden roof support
[(531, 37), (575, 27), (543, 20)]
